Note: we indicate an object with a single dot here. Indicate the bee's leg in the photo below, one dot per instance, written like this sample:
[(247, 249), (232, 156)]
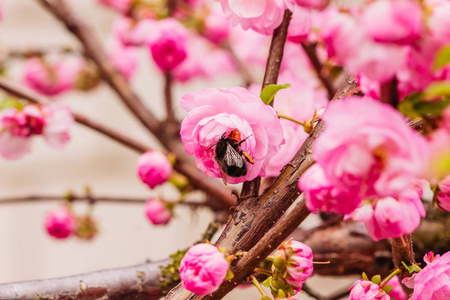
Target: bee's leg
[(244, 139), (247, 157)]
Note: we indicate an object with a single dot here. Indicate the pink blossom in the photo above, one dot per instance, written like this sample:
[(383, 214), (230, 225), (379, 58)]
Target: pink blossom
[(433, 282), (214, 113), (262, 16), (321, 195), (317, 4), (154, 168), (131, 33), (59, 120), (124, 58), (390, 217), (18, 127), (439, 22), (60, 223), (299, 108), (122, 6), (368, 87), (443, 194), (397, 292), (51, 76), (167, 43), (368, 147), (386, 21), (157, 211), (203, 60), (216, 26), (300, 26), (367, 290), (202, 269)]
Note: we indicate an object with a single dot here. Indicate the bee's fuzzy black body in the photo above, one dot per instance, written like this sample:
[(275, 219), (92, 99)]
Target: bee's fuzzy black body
[(229, 157)]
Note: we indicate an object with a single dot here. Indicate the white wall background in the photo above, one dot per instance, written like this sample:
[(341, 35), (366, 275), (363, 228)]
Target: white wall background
[(126, 237)]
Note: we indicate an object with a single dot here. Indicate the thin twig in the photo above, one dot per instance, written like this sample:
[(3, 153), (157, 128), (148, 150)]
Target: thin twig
[(170, 119), (240, 65), (389, 92), (34, 97), (86, 198), (109, 73), (310, 50)]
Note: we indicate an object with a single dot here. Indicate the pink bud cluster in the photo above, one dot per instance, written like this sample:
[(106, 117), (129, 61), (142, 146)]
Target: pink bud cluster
[(362, 156), (364, 289), (18, 126), (203, 269), (52, 76), (292, 266)]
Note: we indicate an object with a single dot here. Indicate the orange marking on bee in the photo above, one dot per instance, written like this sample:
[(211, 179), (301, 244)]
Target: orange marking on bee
[(247, 156)]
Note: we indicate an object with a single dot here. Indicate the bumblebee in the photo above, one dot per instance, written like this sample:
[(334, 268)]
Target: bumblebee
[(230, 157)]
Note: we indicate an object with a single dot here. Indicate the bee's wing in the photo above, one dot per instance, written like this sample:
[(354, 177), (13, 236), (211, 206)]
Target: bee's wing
[(233, 158)]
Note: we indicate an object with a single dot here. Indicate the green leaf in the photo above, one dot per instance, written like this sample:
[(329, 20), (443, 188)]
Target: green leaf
[(416, 104), (364, 276), (268, 93), (8, 103), (388, 288), (442, 58), (266, 298), (229, 275), (437, 89), (266, 282), (376, 279)]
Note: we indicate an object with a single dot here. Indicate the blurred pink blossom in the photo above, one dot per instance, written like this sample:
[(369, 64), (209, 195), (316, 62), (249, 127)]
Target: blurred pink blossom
[(122, 6), (213, 113), (216, 26), (262, 16), (317, 4), (53, 75), (202, 269), (167, 43), (60, 223), (391, 217), (157, 211), (433, 282), (386, 21), (17, 128), (300, 26), (131, 33), (368, 147), (443, 195), (397, 292), (321, 195), (204, 60), (154, 168), (124, 58), (368, 87), (367, 290)]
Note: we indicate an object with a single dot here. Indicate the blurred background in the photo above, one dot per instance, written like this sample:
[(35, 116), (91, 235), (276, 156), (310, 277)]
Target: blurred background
[(125, 236)]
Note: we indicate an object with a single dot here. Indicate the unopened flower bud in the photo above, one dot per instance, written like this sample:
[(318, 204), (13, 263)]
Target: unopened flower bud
[(86, 228), (60, 223), (203, 269), (154, 168), (157, 211)]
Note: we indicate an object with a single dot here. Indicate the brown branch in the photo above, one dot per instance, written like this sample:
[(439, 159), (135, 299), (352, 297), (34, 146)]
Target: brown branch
[(240, 65), (254, 217), (389, 92), (34, 97), (109, 73), (87, 198), (276, 51), (251, 188), (131, 283), (172, 143), (168, 97), (310, 50)]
